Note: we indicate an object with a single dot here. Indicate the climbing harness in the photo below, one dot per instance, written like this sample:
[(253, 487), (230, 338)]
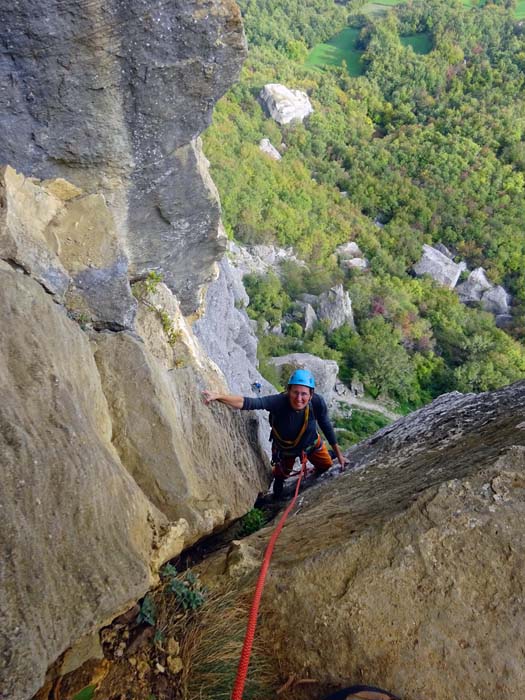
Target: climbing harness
[(289, 444), (244, 661)]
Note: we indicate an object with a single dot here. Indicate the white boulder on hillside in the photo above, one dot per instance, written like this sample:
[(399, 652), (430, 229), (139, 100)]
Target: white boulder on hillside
[(267, 147), (285, 105), (478, 289), (335, 307), (350, 256), (439, 266)]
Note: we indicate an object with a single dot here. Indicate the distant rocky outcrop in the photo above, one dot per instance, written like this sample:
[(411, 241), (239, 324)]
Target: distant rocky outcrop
[(285, 105), (439, 266), (478, 290), (113, 98), (335, 308), (415, 557), (350, 256), (259, 259), (475, 290), (324, 371), (267, 147)]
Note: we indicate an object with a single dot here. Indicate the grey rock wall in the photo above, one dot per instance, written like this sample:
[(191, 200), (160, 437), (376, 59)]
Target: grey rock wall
[(112, 96)]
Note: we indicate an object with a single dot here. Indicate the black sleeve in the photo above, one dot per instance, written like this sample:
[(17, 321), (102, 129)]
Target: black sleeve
[(321, 416), (268, 403)]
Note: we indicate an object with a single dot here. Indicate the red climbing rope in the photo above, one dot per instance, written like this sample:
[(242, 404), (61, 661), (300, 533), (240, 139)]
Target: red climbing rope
[(244, 661)]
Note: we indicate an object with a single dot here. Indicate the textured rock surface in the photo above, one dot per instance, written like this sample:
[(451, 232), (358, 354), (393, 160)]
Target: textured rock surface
[(472, 289), (259, 259), (25, 213), (111, 96), (350, 256), (184, 456), (68, 242), (408, 573), (324, 371), (439, 266), (225, 333), (496, 300), (335, 307), (78, 535), (285, 105)]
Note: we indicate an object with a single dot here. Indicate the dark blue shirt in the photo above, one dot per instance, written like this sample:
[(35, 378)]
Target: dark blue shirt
[(288, 422)]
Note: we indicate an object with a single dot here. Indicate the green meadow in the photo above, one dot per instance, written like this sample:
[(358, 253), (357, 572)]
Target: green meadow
[(381, 6), (342, 47)]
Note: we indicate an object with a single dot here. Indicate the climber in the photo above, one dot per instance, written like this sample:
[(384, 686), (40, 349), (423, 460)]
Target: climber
[(294, 416)]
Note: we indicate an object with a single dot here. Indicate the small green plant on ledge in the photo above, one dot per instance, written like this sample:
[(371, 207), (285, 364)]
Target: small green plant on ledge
[(147, 287), (253, 521), (187, 589)]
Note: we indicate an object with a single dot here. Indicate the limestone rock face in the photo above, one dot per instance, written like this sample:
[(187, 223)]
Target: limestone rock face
[(78, 535), (226, 334), (183, 455), (407, 572), (478, 289), (112, 96), (324, 371), (259, 259), (439, 266), (285, 105), (68, 242), (25, 213), (335, 307), (350, 256)]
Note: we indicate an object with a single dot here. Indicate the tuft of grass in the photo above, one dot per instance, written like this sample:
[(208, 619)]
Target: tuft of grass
[(211, 650)]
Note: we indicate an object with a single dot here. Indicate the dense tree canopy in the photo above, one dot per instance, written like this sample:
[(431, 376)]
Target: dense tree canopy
[(422, 148)]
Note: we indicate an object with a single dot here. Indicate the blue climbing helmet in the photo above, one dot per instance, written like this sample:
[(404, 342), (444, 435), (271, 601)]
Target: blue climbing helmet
[(303, 377)]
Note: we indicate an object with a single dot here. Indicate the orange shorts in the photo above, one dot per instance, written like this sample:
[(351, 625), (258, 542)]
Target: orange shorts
[(319, 457)]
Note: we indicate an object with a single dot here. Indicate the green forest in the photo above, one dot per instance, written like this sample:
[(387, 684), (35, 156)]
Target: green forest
[(423, 144)]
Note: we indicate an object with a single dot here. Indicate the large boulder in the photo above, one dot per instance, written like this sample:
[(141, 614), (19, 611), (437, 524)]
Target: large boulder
[(112, 97), (439, 266), (471, 291), (285, 105), (335, 308), (350, 256), (267, 147), (324, 371), (496, 300), (408, 570)]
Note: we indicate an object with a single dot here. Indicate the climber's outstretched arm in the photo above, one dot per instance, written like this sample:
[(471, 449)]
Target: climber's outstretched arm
[(229, 399)]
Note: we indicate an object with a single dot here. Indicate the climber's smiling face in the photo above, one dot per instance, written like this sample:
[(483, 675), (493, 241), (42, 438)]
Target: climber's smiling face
[(299, 396)]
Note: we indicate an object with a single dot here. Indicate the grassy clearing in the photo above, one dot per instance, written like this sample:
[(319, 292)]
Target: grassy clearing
[(342, 47), (421, 43), (379, 7)]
